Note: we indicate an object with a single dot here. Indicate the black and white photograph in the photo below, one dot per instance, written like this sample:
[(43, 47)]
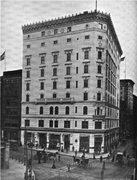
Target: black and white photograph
[(68, 89)]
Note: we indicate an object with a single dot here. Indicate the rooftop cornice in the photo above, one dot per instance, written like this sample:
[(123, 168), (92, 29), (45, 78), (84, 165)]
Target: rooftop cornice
[(73, 19)]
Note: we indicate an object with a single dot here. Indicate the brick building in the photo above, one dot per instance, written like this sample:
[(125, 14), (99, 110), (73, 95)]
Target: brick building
[(70, 82), (11, 104)]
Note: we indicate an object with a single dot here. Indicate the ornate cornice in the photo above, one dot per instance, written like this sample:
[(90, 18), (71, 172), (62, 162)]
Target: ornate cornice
[(74, 19)]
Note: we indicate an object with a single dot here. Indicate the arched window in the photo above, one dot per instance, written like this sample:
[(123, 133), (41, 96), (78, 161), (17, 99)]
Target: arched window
[(27, 110), (85, 110), (56, 110), (67, 110), (41, 110), (51, 110)]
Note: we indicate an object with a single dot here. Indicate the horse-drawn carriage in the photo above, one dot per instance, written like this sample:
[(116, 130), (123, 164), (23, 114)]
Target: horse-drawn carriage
[(81, 161)]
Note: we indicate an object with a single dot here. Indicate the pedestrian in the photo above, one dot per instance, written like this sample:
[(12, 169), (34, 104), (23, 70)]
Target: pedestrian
[(113, 158), (76, 153), (94, 157), (101, 159), (53, 166), (62, 149), (103, 167), (73, 148), (102, 174)]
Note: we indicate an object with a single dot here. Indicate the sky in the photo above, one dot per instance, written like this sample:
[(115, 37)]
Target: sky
[(15, 14)]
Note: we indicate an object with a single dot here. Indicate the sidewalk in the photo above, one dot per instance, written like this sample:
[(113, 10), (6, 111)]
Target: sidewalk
[(15, 172)]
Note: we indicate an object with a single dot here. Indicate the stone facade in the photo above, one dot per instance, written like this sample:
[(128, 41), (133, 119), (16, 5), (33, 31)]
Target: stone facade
[(70, 86)]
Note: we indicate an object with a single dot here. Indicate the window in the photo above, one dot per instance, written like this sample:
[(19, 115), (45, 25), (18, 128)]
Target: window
[(99, 54), (76, 84), (98, 96), (67, 110), (67, 95), (100, 37), (98, 125), (85, 96), (66, 124), (27, 97), (27, 122), (41, 96), (85, 83), (55, 31), (42, 59), (55, 58), (68, 84), (100, 26), (75, 123), (54, 71), (56, 110), (99, 69), (69, 56), (77, 56), (41, 85), (68, 40), (85, 68), (27, 86), (41, 110), (43, 33), (76, 70), (55, 42), (87, 37), (28, 61), (84, 124), (50, 123), (28, 36), (54, 95), (42, 44), (99, 83), (85, 110), (76, 109), (27, 110), (28, 46), (86, 54), (56, 124), (67, 70), (51, 110), (41, 123), (54, 84), (68, 29), (42, 72), (27, 74)]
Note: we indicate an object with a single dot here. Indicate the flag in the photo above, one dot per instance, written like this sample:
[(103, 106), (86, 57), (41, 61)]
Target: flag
[(122, 59), (2, 57)]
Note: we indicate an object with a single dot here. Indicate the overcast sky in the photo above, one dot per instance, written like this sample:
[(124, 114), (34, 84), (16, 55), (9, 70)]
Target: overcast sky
[(14, 14)]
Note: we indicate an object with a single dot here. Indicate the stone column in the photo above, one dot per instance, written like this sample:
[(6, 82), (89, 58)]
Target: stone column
[(47, 140), (6, 155)]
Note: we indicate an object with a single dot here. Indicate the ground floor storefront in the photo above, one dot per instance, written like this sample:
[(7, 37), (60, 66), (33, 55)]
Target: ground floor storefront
[(91, 143)]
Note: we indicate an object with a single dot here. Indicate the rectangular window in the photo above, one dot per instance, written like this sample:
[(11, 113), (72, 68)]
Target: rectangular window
[(41, 123), (68, 56), (99, 83), (100, 26), (84, 124), (67, 70), (77, 56), (28, 62), (42, 59), (55, 42), (67, 84), (86, 68), (85, 83), (86, 54), (68, 40), (56, 124), (87, 37), (41, 96), (50, 123), (76, 109), (27, 97), (67, 95), (54, 71), (75, 123), (27, 86), (42, 72), (27, 74), (42, 44), (98, 125), (99, 54), (66, 124), (99, 69), (42, 85), (55, 31), (54, 95), (68, 29), (100, 37), (27, 122), (55, 58), (76, 70), (76, 84), (85, 98), (43, 33), (54, 85), (28, 46), (99, 96)]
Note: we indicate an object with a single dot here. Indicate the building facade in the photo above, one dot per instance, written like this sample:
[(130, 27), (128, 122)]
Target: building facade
[(126, 107), (70, 85), (11, 104)]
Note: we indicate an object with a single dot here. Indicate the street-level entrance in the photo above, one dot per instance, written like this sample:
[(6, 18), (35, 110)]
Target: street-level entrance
[(53, 140), (97, 145), (84, 143), (66, 141), (42, 140)]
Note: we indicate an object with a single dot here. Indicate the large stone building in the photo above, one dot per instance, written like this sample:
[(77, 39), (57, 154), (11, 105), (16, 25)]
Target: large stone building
[(126, 107), (11, 85), (70, 86)]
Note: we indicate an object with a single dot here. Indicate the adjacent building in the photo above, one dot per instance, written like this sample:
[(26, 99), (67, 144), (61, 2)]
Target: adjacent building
[(126, 107), (70, 82), (11, 85)]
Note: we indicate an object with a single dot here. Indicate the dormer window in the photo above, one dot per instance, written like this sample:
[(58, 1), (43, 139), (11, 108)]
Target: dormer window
[(43, 33), (55, 31), (68, 29)]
